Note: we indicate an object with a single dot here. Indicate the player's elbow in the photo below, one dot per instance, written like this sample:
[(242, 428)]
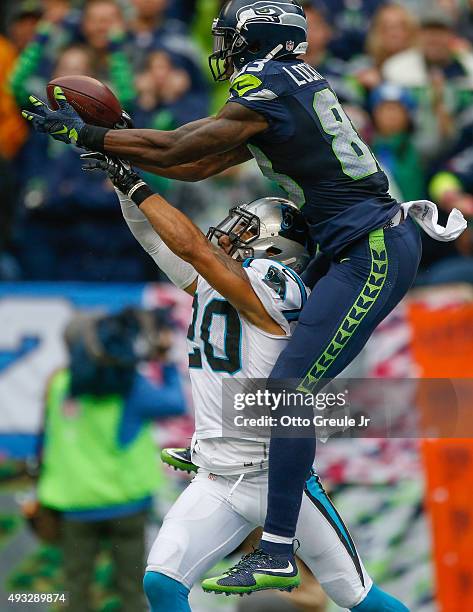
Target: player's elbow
[(187, 252), (164, 154), (196, 174), (163, 160), (196, 253)]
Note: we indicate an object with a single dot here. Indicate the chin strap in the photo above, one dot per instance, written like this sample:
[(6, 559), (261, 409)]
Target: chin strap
[(274, 52)]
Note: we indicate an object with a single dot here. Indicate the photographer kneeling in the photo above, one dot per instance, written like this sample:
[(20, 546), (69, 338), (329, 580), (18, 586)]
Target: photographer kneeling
[(99, 463)]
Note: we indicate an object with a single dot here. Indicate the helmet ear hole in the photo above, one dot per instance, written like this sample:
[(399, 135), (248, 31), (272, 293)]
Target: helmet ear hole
[(254, 47)]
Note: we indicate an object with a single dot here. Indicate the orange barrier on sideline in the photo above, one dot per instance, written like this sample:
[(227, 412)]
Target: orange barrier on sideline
[(442, 347)]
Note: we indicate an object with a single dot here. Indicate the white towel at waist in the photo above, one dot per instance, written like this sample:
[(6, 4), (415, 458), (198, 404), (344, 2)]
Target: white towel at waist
[(426, 214)]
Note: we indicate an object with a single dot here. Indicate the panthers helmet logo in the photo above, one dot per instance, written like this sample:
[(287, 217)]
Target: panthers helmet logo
[(287, 219)]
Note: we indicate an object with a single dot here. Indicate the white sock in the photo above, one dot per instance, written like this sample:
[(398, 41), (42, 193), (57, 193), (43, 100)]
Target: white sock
[(275, 539)]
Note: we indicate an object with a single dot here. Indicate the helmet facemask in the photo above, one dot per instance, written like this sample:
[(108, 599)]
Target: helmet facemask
[(227, 44), (242, 228), (272, 229)]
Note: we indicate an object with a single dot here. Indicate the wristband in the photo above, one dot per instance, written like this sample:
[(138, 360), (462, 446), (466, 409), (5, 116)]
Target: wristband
[(140, 192), (92, 137)]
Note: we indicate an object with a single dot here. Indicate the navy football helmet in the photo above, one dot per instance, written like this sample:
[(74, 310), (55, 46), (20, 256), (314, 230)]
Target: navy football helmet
[(246, 31)]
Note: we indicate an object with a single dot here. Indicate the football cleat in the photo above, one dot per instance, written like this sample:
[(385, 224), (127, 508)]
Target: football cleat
[(179, 459), (256, 571)]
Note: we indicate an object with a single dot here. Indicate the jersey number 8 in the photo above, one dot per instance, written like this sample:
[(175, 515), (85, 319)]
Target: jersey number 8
[(354, 155)]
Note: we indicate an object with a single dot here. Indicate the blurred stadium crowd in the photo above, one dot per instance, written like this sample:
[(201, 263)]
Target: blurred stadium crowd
[(403, 70)]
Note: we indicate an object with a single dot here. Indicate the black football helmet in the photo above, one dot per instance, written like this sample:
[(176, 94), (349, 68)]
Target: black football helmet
[(246, 31)]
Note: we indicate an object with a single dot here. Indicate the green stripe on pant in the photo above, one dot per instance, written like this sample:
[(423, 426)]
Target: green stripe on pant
[(362, 305)]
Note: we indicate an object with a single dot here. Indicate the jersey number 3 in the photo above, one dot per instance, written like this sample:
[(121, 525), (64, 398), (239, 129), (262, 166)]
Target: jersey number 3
[(354, 155), (230, 361)]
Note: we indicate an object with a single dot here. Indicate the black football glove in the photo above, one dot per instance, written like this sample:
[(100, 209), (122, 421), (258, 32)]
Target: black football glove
[(120, 173), (125, 122)]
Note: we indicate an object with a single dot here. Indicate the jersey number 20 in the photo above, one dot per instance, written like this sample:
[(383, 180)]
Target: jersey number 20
[(354, 155), (231, 361)]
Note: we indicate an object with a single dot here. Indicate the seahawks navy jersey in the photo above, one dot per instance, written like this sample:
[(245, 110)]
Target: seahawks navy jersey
[(312, 150)]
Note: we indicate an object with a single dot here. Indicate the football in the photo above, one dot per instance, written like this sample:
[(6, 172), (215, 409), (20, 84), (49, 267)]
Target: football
[(93, 100)]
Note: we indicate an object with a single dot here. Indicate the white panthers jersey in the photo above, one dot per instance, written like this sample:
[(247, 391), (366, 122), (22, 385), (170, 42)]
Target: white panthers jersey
[(224, 344)]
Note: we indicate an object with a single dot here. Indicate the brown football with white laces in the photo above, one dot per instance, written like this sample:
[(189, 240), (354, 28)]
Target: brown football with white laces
[(95, 102)]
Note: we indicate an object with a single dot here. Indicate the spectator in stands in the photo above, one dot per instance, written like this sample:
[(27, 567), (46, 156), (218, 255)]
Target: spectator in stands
[(150, 20), (350, 19), (393, 30), (183, 10), (151, 30), (439, 77), (319, 35), (393, 110), (166, 100), (100, 18), (68, 214), (100, 27), (452, 187), (103, 30), (23, 22), (13, 132), (57, 202), (99, 463), (464, 26)]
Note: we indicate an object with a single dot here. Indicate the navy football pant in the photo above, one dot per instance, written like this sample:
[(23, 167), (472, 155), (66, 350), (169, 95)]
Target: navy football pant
[(359, 290)]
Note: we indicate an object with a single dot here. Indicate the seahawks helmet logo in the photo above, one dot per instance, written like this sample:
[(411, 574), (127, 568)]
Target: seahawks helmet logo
[(266, 12)]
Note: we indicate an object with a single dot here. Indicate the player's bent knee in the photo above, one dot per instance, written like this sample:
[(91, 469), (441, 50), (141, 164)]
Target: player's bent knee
[(165, 593), (379, 601)]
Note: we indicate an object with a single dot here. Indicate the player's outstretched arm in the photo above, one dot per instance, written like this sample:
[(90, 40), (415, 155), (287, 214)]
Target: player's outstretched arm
[(224, 274), (179, 272), (234, 125), (202, 168), (188, 243)]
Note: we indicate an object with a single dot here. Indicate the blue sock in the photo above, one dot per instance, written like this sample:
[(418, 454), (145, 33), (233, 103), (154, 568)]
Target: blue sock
[(275, 549), (165, 594), (379, 601), (290, 462)]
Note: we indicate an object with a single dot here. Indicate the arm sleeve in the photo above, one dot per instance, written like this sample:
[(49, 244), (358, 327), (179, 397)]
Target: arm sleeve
[(179, 272)]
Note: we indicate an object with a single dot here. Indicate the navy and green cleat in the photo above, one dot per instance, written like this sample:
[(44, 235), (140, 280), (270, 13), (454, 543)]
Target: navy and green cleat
[(179, 459), (256, 571)]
